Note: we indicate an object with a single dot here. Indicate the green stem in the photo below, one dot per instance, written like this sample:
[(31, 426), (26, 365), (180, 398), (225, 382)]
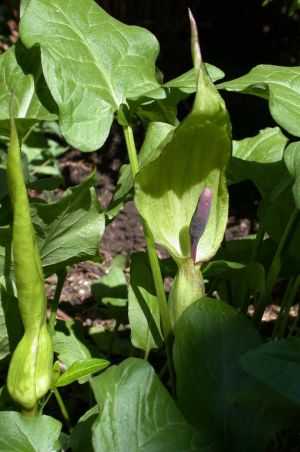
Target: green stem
[(63, 409), (244, 297), (61, 276), (154, 263), (287, 302), (131, 149), (113, 339), (275, 268), (260, 235), (31, 413)]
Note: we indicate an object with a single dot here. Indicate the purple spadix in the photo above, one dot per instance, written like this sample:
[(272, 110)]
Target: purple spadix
[(200, 219)]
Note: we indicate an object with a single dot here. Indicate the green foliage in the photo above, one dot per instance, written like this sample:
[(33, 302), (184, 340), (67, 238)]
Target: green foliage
[(277, 365), (22, 434), (81, 368), (77, 64), (280, 86), (150, 422), (89, 75)]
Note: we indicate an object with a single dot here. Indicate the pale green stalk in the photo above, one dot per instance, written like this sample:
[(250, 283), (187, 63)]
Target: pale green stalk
[(63, 409), (154, 262)]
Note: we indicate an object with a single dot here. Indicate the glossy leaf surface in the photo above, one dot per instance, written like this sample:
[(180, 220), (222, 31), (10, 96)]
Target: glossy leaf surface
[(81, 368), (259, 159), (27, 434), (20, 73), (150, 421), (280, 85), (92, 64), (210, 337)]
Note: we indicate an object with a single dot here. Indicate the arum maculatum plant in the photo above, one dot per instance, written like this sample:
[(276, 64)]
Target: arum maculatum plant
[(30, 370), (182, 195)]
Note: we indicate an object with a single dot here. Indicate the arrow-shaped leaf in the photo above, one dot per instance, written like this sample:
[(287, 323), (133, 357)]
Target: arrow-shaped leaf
[(92, 64)]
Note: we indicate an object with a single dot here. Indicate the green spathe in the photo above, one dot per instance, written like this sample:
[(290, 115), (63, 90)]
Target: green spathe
[(195, 158), (30, 371), (168, 189)]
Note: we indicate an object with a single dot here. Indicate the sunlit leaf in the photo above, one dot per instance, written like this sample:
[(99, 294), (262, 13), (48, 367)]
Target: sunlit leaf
[(20, 433), (20, 73), (92, 64), (149, 421), (81, 368), (280, 85), (258, 159)]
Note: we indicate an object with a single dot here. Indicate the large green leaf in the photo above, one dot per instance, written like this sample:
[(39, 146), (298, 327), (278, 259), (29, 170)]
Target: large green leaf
[(168, 189), (138, 414), (259, 159), (19, 433), (280, 85), (277, 365), (143, 308), (69, 230), (210, 337), (292, 161), (92, 64), (20, 73)]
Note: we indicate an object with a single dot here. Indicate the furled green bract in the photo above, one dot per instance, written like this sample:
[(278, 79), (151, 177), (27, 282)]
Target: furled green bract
[(169, 188), (30, 370)]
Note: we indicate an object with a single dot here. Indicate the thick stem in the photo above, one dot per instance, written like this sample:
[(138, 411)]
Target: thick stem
[(275, 268), (154, 262)]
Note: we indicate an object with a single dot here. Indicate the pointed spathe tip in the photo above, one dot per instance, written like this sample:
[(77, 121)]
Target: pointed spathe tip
[(195, 47)]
